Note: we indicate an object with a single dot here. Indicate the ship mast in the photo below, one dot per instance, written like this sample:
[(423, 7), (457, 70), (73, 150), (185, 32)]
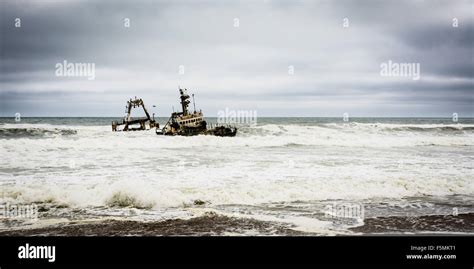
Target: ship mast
[(184, 101)]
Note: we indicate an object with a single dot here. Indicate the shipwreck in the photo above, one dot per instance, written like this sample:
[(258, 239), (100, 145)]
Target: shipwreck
[(135, 124), (184, 123)]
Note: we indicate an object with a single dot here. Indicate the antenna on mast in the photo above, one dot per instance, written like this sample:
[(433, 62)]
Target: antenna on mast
[(194, 104)]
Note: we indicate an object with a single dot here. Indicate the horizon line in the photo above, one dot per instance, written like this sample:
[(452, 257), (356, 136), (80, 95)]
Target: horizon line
[(427, 117)]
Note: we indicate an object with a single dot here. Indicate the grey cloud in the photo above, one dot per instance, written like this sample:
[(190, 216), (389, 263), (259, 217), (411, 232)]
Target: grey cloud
[(245, 66)]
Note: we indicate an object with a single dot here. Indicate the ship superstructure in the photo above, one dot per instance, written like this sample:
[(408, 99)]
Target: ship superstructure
[(187, 123)]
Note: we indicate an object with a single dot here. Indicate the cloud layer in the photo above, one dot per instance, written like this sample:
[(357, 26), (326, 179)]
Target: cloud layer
[(336, 68)]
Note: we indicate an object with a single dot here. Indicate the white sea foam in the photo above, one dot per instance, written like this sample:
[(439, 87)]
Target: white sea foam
[(91, 165)]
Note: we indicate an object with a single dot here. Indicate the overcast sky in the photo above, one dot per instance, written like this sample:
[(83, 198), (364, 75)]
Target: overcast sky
[(336, 68)]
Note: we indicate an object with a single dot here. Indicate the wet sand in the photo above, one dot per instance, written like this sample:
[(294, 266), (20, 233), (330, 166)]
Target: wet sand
[(208, 225), (218, 225), (462, 223)]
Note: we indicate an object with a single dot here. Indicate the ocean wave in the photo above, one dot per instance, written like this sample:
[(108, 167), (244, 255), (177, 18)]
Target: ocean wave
[(283, 129), (176, 188), (266, 135), (123, 199), (34, 132), (397, 127), (426, 128)]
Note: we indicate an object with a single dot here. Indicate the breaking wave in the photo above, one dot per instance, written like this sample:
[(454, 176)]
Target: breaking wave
[(88, 170), (422, 128), (380, 135), (277, 129), (355, 134), (122, 199), (254, 190), (34, 132)]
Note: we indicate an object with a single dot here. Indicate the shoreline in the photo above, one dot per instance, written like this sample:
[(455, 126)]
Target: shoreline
[(213, 224), (210, 224), (462, 223)]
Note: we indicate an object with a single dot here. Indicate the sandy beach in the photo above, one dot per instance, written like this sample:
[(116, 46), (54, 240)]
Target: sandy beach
[(217, 225)]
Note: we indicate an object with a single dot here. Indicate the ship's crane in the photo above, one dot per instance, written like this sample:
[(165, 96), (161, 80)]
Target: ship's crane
[(128, 121)]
